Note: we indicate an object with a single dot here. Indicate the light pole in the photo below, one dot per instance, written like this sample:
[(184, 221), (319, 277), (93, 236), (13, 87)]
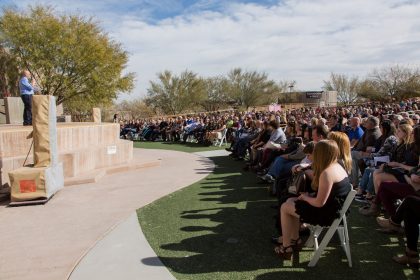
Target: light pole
[(291, 86)]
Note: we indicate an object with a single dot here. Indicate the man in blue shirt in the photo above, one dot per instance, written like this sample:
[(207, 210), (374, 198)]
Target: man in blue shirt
[(355, 132), (26, 93)]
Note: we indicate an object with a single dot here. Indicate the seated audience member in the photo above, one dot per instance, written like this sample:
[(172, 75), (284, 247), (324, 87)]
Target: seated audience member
[(332, 186), (416, 119), (319, 132), (258, 143), (368, 139), (384, 147), (306, 133), (285, 174), (355, 132), (343, 143), (405, 157), (335, 123), (277, 139), (189, 128), (284, 163), (409, 213), (176, 130), (390, 192), (242, 143), (217, 132), (162, 128), (277, 135), (397, 119), (283, 183)]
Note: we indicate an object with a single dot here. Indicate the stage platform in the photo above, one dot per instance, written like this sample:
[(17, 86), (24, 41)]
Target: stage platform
[(88, 150)]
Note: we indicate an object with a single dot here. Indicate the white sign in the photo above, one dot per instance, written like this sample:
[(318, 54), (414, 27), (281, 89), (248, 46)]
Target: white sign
[(111, 150)]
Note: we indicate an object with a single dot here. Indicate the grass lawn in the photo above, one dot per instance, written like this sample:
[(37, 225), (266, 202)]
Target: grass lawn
[(220, 228), (176, 146)]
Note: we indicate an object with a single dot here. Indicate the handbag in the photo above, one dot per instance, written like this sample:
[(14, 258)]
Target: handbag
[(396, 171), (297, 183)]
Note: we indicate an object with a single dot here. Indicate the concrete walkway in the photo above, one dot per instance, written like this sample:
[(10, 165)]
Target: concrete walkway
[(122, 254), (125, 253), (215, 153), (47, 242)]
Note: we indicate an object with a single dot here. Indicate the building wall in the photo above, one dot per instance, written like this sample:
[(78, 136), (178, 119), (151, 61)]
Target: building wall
[(317, 98)]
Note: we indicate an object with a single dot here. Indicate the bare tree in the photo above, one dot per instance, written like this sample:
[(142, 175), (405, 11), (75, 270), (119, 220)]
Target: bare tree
[(347, 88), (396, 82)]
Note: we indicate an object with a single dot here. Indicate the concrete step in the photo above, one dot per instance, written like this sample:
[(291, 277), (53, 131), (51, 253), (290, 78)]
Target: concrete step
[(96, 175)]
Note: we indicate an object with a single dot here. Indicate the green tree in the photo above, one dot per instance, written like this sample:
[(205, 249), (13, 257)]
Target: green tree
[(347, 88), (136, 108), (175, 94), (216, 93), (9, 73), (250, 88), (69, 56), (368, 89)]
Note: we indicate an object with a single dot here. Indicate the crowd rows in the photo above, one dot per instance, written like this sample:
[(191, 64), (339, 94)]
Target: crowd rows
[(313, 157)]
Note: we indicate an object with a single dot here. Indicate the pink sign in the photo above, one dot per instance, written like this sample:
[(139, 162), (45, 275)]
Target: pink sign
[(274, 108)]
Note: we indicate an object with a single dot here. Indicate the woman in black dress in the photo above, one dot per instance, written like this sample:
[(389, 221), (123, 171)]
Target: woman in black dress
[(332, 185)]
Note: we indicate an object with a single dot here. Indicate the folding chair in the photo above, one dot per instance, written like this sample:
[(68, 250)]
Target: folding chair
[(339, 225), (218, 141), (190, 138)]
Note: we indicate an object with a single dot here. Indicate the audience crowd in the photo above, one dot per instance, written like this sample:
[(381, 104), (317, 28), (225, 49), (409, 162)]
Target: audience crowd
[(313, 157)]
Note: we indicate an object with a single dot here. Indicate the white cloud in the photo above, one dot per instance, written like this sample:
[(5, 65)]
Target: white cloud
[(302, 40)]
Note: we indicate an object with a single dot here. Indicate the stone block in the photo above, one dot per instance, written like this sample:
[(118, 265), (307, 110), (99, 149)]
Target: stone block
[(29, 183), (96, 113), (2, 112), (64, 118), (60, 109), (14, 110), (82, 148)]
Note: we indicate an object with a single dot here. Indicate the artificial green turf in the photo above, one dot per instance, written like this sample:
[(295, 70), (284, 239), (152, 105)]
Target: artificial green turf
[(220, 227), (176, 146)]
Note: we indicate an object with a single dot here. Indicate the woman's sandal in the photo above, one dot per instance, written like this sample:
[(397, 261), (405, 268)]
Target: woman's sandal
[(278, 240), (297, 244), (284, 252), (410, 258)]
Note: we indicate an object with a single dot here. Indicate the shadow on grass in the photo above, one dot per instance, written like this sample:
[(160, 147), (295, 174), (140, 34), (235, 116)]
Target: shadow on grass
[(220, 228)]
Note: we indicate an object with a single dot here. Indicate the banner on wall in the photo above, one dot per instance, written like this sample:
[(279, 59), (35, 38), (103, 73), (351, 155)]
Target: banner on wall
[(274, 108)]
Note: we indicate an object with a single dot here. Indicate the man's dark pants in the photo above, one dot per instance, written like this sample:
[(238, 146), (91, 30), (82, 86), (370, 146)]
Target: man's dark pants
[(27, 111)]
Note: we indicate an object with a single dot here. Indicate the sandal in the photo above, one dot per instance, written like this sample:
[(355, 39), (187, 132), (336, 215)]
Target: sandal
[(284, 252), (388, 226), (297, 244), (278, 240), (410, 258), (373, 210)]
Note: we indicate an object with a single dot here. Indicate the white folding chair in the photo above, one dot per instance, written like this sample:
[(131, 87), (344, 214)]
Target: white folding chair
[(220, 141), (339, 225)]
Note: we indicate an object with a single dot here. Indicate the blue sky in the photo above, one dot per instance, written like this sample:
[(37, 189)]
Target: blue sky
[(148, 10), (302, 40)]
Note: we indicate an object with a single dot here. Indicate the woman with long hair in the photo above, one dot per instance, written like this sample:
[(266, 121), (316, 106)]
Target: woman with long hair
[(343, 142), (402, 154), (384, 147), (332, 185), (405, 157)]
